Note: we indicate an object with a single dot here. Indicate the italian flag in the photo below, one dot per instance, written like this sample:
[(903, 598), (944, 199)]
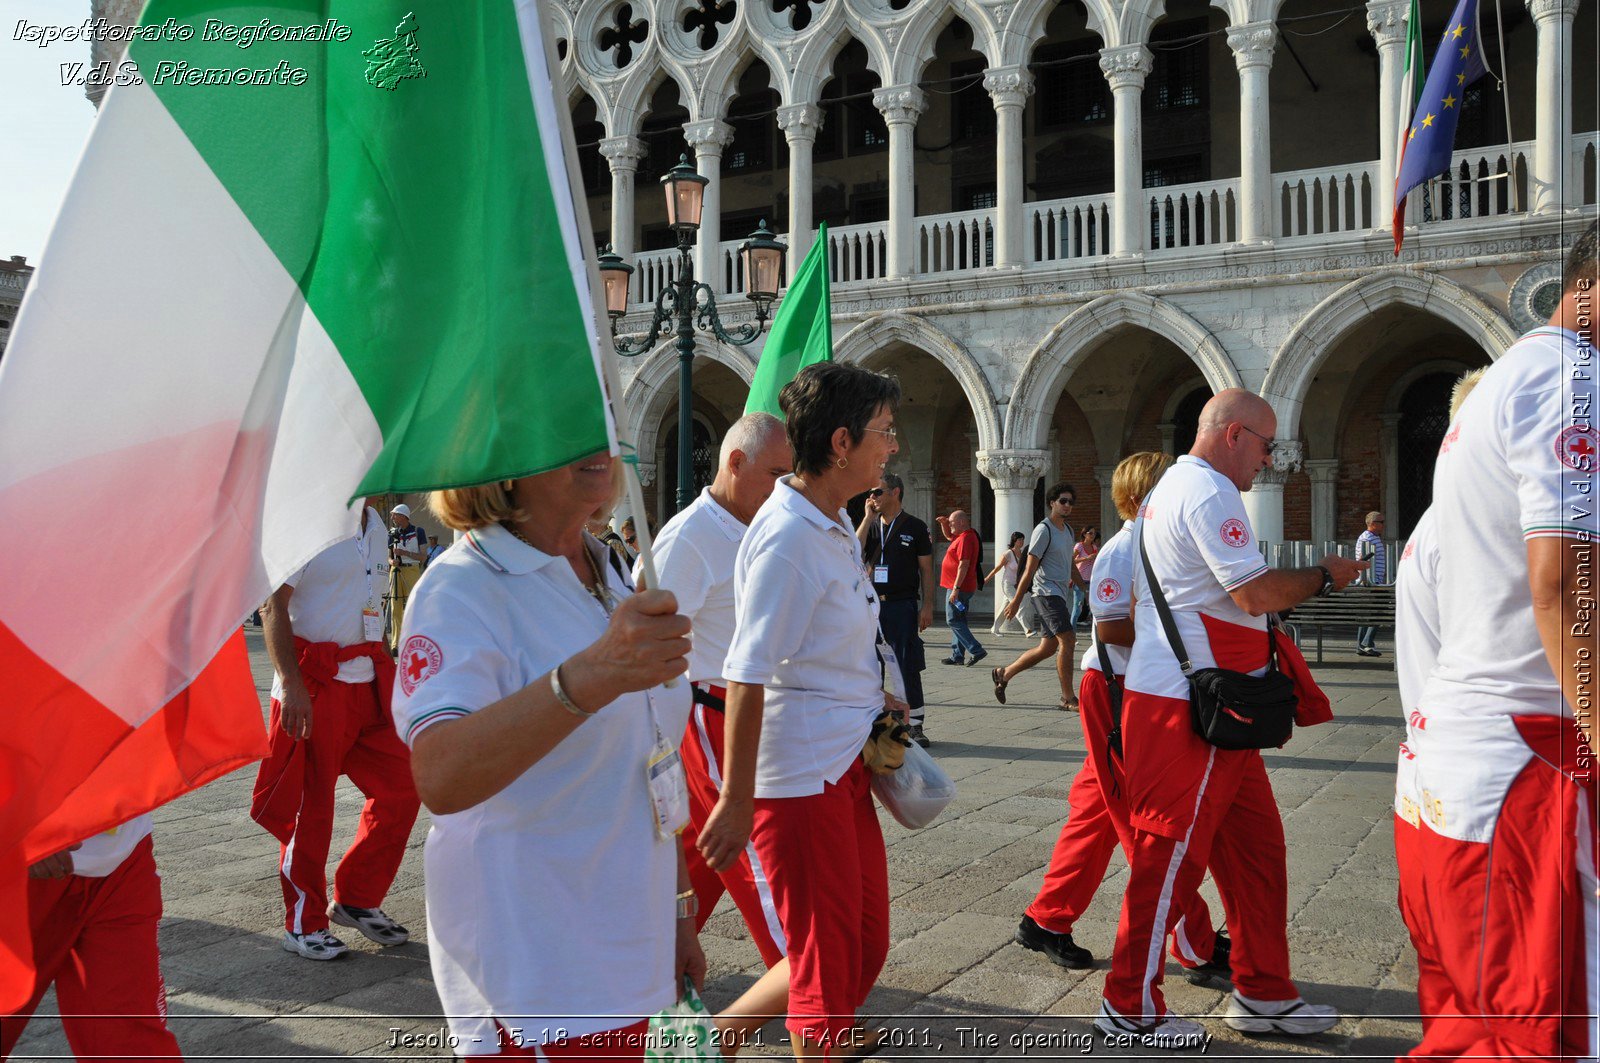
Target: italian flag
[(801, 333), (285, 275), (1411, 83)]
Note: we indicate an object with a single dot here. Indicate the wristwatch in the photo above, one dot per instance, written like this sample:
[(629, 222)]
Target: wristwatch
[(688, 905), (1327, 582)]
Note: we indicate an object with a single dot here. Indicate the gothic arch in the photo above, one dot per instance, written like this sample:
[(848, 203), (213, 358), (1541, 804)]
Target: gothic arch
[(873, 334), (647, 395), (1053, 360), (1302, 354), (915, 50)]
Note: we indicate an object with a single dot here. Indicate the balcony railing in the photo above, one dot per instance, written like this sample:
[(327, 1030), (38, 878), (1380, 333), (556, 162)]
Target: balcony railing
[(1319, 203), (17, 281)]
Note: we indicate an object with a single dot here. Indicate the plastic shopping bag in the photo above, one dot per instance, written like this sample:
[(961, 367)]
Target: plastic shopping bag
[(917, 791), (684, 1031)]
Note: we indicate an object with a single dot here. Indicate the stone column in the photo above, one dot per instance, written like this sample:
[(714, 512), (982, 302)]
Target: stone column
[(1389, 463), (902, 105), (1013, 474), (919, 495), (800, 122), (707, 140), (1264, 501), (1109, 521), (1324, 473), (1386, 21), (1549, 183), (1169, 437), (1009, 87), (1126, 68), (624, 154), (1252, 45)]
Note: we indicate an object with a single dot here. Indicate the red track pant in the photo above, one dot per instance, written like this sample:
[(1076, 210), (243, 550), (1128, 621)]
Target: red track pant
[(1190, 805), (1097, 819), (1506, 929), (622, 1044), (830, 878), (745, 880), (350, 735), (95, 938)]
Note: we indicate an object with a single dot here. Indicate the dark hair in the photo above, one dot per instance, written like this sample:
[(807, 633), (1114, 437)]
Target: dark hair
[(894, 483), (1582, 259), (1014, 537), (828, 396), (1059, 489)]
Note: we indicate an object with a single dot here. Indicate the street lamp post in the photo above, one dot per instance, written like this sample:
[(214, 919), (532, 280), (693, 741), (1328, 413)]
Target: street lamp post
[(690, 303)]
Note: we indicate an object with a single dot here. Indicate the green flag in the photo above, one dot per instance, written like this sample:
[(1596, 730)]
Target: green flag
[(802, 330)]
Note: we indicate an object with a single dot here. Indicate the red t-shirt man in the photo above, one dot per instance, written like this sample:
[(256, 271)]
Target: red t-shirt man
[(965, 547)]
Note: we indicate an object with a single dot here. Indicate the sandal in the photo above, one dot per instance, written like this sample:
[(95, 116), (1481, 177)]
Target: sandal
[(1068, 704), (998, 675)]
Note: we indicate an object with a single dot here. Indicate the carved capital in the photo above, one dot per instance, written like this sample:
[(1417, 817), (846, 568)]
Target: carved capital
[(623, 153), (1010, 86), (1012, 470), (1126, 67), (800, 121), (708, 137), (647, 473), (107, 51), (1288, 456), (1252, 44), (900, 104), (1560, 11), (1323, 470), (1386, 21)]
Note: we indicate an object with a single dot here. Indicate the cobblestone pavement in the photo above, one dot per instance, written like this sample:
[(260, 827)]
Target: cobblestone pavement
[(955, 984)]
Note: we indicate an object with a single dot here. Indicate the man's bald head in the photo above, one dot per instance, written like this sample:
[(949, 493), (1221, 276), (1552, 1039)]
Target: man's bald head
[(1234, 435), (959, 521)]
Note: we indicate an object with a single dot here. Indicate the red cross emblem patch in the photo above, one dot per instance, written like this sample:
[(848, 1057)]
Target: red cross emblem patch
[(1576, 446), (1108, 590), (1411, 548), (420, 658), (1234, 533)]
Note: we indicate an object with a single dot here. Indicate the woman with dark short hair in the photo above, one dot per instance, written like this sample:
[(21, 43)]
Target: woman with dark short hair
[(805, 685)]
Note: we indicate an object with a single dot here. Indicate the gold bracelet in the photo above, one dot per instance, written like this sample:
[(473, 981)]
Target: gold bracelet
[(688, 905), (561, 695)]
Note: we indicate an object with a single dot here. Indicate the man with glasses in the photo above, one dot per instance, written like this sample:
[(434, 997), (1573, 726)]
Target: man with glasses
[(1369, 547), (1049, 568), (1191, 804), (899, 553)]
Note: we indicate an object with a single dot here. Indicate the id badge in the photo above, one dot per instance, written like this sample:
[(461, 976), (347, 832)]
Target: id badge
[(880, 574), (372, 624), (893, 681), (669, 790)]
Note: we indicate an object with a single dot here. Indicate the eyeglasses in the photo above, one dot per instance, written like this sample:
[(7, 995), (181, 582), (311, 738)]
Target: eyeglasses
[(891, 432), (1272, 444)]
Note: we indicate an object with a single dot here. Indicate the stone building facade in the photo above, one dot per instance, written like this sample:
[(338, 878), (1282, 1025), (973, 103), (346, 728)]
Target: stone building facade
[(1063, 225), (14, 276)]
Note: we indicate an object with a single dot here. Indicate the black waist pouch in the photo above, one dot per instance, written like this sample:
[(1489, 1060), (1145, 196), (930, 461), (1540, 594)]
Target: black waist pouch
[(1233, 710)]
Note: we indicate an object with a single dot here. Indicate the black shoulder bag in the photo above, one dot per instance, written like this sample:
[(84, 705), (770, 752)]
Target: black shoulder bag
[(1231, 710), (1114, 695)]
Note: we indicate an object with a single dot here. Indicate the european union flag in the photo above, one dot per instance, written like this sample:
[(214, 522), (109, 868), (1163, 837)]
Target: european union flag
[(1432, 136)]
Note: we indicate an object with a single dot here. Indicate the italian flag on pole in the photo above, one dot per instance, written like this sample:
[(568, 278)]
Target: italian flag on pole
[(324, 249)]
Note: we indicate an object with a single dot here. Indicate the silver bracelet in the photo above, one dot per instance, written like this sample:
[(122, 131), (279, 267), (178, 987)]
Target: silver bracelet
[(561, 695)]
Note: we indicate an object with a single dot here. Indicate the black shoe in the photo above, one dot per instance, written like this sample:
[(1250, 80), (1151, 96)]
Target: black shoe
[(918, 737), (980, 655), (1368, 651), (1059, 948), (951, 660), (1218, 972)]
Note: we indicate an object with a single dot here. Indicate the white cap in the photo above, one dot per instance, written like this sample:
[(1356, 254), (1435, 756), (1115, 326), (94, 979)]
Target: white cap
[(402, 510)]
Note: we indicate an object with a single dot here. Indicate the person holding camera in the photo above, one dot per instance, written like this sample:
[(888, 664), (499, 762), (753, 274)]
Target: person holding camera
[(408, 553)]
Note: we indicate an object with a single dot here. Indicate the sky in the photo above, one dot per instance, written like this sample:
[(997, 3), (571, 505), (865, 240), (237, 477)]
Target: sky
[(43, 125)]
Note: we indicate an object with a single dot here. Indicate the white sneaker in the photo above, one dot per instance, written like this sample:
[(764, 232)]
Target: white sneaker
[(318, 945), (1170, 1032), (1294, 1017), (372, 923)]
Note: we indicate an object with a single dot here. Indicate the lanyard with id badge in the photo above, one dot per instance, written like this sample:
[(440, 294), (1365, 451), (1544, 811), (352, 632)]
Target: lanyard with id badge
[(371, 611)]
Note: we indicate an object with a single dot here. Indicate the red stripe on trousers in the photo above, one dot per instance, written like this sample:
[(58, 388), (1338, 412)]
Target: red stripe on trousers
[(70, 768), (1228, 818), (1507, 917), (350, 735), (825, 859), (738, 880), (95, 939), (1097, 820)]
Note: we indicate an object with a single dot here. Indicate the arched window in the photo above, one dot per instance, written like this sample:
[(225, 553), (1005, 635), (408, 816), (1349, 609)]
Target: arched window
[(1424, 417), (703, 458)]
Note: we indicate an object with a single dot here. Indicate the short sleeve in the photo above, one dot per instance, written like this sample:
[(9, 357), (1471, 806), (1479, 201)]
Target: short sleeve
[(923, 543), (1550, 443), (294, 578), (773, 612), (1039, 542), (449, 663), (1110, 592), (682, 570), (1220, 528)]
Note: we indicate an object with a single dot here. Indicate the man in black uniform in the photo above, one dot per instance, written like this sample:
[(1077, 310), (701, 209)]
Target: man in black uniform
[(899, 554)]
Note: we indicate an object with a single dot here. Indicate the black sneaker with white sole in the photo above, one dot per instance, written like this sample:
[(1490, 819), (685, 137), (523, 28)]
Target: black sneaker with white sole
[(1217, 971), (317, 945), (373, 924), (1060, 949)]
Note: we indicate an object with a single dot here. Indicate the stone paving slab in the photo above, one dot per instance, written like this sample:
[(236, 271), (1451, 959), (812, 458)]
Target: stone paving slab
[(955, 985)]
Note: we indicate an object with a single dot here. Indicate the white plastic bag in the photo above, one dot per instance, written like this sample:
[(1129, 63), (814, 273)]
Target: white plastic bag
[(917, 791)]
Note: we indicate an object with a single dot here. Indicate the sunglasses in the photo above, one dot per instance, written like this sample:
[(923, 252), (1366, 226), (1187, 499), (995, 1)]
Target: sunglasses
[(875, 492), (1066, 501)]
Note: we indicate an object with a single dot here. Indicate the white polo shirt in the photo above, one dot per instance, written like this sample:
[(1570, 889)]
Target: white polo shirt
[(102, 854), (554, 897), (695, 554), (1111, 595), (1201, 547), (332, 590), (1416, 650), (1517, 463), (807, 630)]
